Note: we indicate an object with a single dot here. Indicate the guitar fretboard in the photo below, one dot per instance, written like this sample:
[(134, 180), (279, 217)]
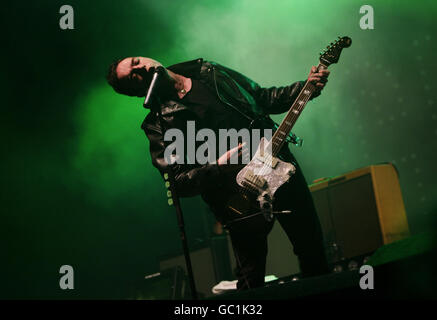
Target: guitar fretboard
[(293, 114)]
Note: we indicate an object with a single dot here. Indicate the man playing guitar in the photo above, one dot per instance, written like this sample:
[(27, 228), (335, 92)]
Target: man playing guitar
[(217, 97)]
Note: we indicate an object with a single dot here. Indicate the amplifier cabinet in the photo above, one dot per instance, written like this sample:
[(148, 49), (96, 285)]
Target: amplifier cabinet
[(360, 211)]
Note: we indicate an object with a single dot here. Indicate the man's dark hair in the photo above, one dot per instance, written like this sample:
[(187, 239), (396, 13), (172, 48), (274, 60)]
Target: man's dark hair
[(115, 83)]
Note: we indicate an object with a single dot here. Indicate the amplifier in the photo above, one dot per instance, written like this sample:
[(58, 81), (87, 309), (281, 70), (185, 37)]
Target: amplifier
[(169, 284), (360, 211), (211, 264)]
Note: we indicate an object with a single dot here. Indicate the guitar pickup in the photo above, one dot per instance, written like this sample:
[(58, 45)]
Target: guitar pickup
[(255, 180), (269, 160)]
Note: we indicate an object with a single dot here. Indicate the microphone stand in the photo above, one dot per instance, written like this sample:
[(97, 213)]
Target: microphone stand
[(170, 181)]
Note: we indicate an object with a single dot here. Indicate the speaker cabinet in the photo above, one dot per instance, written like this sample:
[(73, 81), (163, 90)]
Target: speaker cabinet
[(360, 211), (203, 269), (169, 284), (211, 264)]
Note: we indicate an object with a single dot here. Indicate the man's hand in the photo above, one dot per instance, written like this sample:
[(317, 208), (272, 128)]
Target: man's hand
[(319, 79), (224, 159)]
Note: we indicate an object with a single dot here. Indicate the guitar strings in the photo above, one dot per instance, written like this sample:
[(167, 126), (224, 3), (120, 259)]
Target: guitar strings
[(290, 117)]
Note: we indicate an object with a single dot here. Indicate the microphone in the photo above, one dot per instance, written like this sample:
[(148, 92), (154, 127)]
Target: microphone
[(157, 71)]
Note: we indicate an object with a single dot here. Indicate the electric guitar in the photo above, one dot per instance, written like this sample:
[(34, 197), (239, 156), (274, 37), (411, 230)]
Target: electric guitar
[(265, 173)]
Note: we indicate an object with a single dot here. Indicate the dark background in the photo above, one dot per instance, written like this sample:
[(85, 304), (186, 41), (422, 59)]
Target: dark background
[(78, 187)]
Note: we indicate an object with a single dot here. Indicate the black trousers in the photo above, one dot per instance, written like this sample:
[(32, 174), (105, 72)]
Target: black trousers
[(249, 236)]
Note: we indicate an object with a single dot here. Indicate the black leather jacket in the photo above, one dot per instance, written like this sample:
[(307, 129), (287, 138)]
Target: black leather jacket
[(245, 101)]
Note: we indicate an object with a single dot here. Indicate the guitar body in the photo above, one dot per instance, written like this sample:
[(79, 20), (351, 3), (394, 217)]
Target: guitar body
[(258, 182)]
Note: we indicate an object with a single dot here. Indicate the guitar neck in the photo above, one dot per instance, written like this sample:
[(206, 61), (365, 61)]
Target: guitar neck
[(293, 114)]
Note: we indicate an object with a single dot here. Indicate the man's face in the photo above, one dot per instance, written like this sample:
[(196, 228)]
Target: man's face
[(134, 73)]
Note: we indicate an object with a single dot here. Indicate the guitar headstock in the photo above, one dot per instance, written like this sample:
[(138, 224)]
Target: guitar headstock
[(332, 52)]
